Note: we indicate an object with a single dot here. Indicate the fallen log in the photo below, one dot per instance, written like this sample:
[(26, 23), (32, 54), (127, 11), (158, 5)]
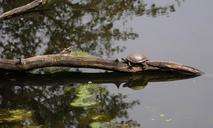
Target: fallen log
[(66, 60), (22, 9)]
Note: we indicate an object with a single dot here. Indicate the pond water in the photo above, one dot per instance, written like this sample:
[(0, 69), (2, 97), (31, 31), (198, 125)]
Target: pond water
[(176, 30)]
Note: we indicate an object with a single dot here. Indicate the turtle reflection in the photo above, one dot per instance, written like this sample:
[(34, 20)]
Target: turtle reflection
[(136, 84)]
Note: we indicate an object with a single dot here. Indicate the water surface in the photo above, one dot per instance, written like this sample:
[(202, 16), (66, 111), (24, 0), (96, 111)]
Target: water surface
[(181, 31)]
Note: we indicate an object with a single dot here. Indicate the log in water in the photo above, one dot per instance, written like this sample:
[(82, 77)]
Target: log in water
[(65, 60)]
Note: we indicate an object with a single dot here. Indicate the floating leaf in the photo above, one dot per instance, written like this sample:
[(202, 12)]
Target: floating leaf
[(87, 95)]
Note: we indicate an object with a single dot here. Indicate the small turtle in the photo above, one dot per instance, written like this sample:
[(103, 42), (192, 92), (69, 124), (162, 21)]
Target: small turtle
[(135, 58)]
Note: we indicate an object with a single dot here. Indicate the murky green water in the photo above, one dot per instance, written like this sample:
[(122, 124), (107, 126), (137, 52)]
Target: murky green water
[(176, 30)]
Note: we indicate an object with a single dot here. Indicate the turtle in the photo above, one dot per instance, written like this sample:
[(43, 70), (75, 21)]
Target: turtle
[(134, 59)]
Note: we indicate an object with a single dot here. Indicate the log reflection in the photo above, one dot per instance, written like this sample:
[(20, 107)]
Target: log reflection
[(116, 78)]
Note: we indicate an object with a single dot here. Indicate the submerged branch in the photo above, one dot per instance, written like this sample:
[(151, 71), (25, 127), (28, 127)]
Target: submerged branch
[(22, 9), (66, 60)]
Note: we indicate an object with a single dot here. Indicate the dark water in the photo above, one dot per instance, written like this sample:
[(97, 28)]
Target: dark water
[(181, 31)]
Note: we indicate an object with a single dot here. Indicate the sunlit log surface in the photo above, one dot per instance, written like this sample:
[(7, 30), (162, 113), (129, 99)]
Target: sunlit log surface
[(65, 60)]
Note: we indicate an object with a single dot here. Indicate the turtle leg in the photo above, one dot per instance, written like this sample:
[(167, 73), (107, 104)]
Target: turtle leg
[(124, 60), (116, 60), (129, 64), (143, 66)]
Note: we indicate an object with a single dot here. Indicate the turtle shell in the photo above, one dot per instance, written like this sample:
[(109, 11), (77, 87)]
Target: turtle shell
[(136, 58)]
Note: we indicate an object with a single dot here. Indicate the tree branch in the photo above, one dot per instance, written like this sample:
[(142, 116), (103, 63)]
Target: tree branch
[(22, 9)]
